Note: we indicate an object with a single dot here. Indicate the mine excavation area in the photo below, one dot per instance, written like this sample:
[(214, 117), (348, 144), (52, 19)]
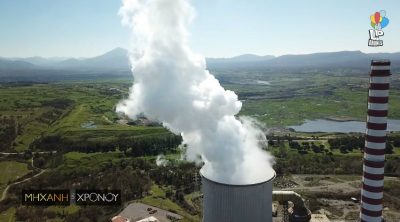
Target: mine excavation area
[(337, 196)]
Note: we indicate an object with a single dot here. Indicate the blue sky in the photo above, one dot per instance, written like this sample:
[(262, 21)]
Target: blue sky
[(221, 28)]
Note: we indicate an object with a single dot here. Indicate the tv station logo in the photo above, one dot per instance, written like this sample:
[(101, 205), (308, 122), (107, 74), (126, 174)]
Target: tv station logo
[(96, 197), (68, 197), (378, 22), (45, 197)]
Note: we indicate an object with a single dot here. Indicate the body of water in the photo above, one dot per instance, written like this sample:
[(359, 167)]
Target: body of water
[(330, 126), (262, 82), (88, 125)]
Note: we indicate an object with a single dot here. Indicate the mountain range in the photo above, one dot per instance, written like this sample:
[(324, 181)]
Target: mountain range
[(117, 61)]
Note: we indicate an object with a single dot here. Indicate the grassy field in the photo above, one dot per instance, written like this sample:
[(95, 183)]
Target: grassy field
[(158, 199), (288, 100), (8, 215), (61, 210), (10, 171), (88, 103), (91, 102), (77, 162), (88, 114), (292, 99)]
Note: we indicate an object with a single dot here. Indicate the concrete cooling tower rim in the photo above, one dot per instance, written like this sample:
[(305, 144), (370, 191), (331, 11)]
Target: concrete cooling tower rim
[(380, 62), (269, 177)]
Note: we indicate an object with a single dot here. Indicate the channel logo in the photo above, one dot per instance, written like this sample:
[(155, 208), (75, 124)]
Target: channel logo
[(45, 197), (68, 197), (378, 22), (97, 197)]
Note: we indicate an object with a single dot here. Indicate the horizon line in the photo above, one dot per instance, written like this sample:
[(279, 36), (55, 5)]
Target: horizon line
[(207, 57)]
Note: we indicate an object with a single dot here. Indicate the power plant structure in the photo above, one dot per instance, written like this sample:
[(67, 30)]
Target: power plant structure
[(252, 202), (237, 202), (294, 209), (224, 202), (375, 142)]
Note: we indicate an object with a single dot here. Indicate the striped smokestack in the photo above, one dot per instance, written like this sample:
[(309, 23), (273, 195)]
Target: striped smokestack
[(375, 142)]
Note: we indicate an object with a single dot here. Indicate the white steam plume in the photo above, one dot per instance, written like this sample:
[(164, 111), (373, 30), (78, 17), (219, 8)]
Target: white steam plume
[(173, 86)]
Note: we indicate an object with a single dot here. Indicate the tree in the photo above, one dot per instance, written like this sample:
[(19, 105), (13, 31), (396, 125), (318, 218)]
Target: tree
[(39, 162), (123, 149), (271, 142), (315, 148), (28, 154), (389, 148), (396, 142), (343, 149), (282, 150), (294, 145)]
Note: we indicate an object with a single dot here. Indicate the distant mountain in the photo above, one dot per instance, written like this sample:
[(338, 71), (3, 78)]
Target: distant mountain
[(110, 65), (394, 57), (6, 64), (241, 58), (116, 59), (116, 62), (41, 61), (342, 59)]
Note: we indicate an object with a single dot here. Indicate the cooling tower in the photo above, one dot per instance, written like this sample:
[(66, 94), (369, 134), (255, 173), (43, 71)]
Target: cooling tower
[(237, 202), (375, 142)]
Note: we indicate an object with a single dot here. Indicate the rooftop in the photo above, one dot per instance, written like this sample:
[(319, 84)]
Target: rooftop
[(139, 211)]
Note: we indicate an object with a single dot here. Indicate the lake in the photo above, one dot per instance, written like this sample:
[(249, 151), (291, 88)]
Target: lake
[(88, 125), (261, 82), (329, 126)]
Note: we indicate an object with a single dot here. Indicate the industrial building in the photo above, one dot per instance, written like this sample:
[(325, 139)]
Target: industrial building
[(253, 202), (139, 212)]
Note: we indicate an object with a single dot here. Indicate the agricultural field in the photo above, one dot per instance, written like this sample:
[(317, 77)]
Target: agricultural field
[(11, 170), (8, 215), (291, 99), (74, 110)]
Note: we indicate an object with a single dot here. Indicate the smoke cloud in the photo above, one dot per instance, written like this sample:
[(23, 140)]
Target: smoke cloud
[(172, 85)]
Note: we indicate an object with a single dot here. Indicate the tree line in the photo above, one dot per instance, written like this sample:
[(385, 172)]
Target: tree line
[(131, 146), (9, 130)]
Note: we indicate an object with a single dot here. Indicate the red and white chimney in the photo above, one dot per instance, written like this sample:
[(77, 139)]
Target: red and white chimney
[(375, 142)]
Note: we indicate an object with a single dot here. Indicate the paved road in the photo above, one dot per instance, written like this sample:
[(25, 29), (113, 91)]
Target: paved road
[(4, 194), (21, 153)]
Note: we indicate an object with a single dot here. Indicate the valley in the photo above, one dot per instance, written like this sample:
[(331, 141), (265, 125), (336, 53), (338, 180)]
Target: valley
[(76, 139)]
